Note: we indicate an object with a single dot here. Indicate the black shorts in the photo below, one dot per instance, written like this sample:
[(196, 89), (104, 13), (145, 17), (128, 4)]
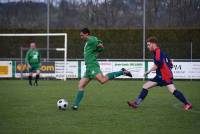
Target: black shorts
[(158, 79)]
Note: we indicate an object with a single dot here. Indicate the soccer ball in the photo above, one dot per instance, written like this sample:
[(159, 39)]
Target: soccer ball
[(62, 104)]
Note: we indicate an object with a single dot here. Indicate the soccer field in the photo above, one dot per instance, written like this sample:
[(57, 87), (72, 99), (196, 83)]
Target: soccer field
[(31, 110)]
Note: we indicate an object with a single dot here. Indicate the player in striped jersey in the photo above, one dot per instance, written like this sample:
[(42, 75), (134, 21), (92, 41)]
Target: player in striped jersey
[(164, 77)]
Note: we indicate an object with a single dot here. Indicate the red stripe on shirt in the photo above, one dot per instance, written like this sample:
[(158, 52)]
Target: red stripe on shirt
[(166, 72), (157, 54)]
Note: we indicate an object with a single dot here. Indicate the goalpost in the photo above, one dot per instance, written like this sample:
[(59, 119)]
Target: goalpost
[(46, 34)]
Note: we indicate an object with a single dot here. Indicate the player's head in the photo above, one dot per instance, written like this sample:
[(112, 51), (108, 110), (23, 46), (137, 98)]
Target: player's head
[(85, 32), (152, 43), (32, 45)]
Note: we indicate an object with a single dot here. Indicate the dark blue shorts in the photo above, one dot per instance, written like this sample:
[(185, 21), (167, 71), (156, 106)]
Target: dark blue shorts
[(34, 68), (160, 81)]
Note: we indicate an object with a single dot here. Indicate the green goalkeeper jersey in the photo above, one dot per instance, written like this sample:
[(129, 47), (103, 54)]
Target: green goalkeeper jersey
[(91, 49), (33, 56)]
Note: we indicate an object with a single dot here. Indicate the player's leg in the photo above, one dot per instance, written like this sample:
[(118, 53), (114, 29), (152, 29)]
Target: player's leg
[(179, 95), (105, 78), (101, 78), (37, 77), (123, 71), (30, 78), (148, 85), (36, 68), (82, 83)]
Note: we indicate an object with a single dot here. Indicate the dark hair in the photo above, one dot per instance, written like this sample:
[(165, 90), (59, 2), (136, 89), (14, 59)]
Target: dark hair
[(85, 31), (152, 39)]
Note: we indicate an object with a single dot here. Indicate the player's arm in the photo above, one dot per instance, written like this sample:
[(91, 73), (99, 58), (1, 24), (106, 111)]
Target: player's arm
[(169, 62), (39, 58), (100, 46), (158, 59), (153, 68), (27, 59)]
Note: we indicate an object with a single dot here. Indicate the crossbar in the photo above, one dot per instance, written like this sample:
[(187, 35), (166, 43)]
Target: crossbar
[(34, 34)]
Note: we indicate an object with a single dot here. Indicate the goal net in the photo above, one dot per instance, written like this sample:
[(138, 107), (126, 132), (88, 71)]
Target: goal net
[(52, 46)]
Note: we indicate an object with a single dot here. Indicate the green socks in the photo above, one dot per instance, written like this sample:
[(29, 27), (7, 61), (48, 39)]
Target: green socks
[(80, 93), (114, 74), (78, 98)]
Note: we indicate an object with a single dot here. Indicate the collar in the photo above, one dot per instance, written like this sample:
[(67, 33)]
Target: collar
[(157, 49)]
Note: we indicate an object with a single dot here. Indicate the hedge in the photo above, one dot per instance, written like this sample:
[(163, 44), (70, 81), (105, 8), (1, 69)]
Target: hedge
[(119, 43)]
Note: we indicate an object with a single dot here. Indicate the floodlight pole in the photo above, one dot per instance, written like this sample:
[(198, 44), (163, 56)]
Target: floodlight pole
[(48, 30), (144, 27), (191, 50), (191, 56), (21, 53)]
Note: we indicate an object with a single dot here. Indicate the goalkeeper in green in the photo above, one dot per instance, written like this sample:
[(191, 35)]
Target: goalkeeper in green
[(92, 48), (33, 62)]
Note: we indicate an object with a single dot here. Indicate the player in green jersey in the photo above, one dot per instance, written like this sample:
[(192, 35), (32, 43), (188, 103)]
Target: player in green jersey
[(93, 46), (33, 62)]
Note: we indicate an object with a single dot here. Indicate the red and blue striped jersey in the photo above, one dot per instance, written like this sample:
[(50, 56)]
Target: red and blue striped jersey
[(164, 65)]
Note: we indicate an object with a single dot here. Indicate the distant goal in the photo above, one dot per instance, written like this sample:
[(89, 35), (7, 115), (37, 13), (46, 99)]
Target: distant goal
[(39, 37)]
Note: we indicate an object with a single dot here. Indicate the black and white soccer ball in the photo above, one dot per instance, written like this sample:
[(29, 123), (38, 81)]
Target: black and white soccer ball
[(62, 104)]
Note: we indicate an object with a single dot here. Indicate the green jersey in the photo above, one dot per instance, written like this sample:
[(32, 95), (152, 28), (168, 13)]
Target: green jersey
[(91, 50), (33, 56)]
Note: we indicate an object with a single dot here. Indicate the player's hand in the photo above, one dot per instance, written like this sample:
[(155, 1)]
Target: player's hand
[(100, 48), (146, 73), (101, 45), (29, 66), (97, 54)]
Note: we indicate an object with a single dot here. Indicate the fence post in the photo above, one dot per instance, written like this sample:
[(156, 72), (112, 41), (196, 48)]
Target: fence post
[(191, 57)]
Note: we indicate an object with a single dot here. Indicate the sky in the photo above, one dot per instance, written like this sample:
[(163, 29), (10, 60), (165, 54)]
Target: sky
[(38, 0), (22, 0), (55, 2)]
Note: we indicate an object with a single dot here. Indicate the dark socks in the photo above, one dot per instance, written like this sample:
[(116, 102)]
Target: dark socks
[(180, 96), (141, 97), (36, 78), (176, 93), (30, 80)]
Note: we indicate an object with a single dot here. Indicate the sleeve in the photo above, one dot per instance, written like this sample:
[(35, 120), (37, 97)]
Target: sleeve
[(100, 42), (158, 58), (169, 62), (91, 41), (39, 57), (27, 57), (100, 46)]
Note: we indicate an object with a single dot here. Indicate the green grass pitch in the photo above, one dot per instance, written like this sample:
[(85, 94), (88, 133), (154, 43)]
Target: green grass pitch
[(32, 110)]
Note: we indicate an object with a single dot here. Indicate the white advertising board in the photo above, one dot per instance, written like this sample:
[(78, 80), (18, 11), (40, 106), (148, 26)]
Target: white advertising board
[(47, 69), (72, 69), (136, 68), (182, 70), (186, 70), (195, 70), (105, 66)]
